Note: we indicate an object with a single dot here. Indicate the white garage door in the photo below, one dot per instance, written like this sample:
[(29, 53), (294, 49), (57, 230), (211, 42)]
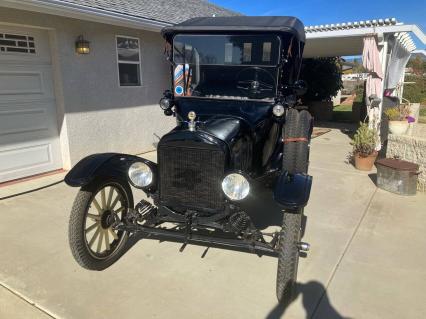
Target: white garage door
[(29, 142)]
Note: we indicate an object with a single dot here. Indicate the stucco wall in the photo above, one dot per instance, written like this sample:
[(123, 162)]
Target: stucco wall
[(94, 113), (411, 148)]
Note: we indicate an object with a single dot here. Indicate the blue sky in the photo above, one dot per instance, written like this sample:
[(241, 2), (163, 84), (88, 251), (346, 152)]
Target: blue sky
[(315, 12)]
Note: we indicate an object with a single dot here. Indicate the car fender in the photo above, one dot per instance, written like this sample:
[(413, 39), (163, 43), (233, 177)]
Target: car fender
[(293, 190), (104, 165)]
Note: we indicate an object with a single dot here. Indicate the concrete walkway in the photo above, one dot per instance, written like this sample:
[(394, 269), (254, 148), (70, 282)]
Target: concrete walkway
[(367, 260)]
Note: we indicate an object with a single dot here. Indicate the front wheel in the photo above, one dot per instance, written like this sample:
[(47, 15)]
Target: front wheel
[(94, 244), (288, 256)]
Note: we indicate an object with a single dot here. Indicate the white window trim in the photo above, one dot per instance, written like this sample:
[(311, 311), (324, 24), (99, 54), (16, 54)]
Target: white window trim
[(128, 62)]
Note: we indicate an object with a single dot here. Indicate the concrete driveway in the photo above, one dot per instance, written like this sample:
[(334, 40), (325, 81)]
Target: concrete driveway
[(367, 260)]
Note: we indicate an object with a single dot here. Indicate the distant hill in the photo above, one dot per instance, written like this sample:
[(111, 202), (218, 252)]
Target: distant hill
[(420, 55)]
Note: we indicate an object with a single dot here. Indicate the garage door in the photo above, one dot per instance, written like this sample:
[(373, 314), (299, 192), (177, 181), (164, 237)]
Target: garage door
[(29, 142)]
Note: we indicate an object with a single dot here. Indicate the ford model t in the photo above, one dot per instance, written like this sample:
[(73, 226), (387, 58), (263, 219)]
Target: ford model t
[(237, 158)]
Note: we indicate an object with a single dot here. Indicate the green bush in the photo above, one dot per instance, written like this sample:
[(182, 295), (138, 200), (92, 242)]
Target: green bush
[(415, 93), (323, 77), (393, 114), (359, 91), (364, 140)]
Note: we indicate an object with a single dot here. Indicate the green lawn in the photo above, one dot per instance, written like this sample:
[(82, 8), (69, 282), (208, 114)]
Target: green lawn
[(422, 117), (342, 113)]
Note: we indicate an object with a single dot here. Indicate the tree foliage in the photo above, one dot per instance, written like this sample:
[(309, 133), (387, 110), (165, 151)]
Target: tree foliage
[(418, 65), (323, 77), (415, 92)]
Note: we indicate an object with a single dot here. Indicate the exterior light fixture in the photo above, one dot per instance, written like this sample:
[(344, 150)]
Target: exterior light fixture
[(82, 46)]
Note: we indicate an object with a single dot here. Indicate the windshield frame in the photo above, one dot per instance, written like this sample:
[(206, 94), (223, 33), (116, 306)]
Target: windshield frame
[(277, 66)]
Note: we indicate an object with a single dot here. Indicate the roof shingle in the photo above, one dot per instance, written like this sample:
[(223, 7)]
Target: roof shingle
[(169, 11)]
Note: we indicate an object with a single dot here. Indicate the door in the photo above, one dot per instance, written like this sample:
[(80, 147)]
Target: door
[(29, 139)]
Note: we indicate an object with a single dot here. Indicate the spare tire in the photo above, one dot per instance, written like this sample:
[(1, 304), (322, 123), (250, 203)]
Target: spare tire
[(297, 132)]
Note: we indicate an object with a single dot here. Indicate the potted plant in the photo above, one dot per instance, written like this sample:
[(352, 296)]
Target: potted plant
[(397, 117), (364, 143)]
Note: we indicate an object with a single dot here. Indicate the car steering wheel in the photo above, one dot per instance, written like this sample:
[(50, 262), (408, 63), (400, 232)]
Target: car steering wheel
[(255, 87)]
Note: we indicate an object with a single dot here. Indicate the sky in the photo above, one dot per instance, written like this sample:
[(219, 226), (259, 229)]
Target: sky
[(316, 12)]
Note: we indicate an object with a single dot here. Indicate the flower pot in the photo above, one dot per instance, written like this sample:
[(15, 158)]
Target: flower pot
[(414, 111), (398, 127), (365, 163)]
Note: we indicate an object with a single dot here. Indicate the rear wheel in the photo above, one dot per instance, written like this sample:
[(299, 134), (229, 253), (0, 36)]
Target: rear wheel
[(288, 256), (94, 244)]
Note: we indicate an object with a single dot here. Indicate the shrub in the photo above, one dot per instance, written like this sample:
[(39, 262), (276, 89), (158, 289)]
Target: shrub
[(397, 113), (393, 114), (364, 140), (415, 92), (323, 77)]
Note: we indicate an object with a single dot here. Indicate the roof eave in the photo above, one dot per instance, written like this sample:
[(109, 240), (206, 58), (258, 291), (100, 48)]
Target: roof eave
[(70, 10)]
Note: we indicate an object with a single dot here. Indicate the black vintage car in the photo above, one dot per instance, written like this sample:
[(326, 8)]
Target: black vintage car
[(237, 159)]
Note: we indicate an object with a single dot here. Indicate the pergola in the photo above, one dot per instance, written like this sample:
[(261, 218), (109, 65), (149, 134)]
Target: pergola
[(347, 39)]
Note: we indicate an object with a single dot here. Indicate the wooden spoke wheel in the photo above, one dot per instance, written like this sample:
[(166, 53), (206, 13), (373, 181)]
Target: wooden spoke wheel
[(94, 243)]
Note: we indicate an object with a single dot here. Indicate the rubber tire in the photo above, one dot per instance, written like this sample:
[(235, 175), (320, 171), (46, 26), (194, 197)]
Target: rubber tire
[(76, 234), (296, 154), (288, 257)]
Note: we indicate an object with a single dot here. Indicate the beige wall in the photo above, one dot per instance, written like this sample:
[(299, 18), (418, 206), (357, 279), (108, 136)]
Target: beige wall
[(94, 113)]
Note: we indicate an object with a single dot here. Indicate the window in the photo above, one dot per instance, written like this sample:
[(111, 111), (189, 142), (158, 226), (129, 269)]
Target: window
[(266, 54), (129, 61), (17, 43), (218, 66), (259, 49), (247, 52)]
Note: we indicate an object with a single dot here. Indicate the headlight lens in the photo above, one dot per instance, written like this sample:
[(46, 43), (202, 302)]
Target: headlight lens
[(235, 186), (140, 174), (165, 103), (278, 110)]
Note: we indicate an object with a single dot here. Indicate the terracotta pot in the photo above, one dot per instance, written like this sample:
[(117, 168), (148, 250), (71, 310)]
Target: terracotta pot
[(398, 127), (365, 163)]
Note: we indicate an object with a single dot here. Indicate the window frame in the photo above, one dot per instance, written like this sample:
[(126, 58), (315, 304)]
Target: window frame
[(128, 62)]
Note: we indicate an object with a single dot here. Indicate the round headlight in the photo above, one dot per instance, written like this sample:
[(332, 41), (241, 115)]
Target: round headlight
[(165, 103), (278, 110), (140, 174), (235, 186)]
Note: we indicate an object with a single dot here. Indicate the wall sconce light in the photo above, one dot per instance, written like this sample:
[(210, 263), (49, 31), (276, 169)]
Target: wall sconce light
[(82, 46)]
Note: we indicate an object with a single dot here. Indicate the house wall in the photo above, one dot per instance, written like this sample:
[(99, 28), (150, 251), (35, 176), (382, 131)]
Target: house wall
[(94, 113)]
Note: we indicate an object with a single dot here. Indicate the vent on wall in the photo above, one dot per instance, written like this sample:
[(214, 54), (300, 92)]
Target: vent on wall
[(16, 43)]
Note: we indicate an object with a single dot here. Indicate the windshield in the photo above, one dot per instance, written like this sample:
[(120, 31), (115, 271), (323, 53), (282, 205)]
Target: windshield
[(226, 66)]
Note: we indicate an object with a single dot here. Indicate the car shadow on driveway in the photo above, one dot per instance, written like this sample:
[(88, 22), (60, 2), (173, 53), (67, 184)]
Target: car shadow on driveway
[(309, 293)]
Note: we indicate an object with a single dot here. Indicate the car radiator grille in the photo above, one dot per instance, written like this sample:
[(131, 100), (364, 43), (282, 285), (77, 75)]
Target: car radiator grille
[(191, 177)]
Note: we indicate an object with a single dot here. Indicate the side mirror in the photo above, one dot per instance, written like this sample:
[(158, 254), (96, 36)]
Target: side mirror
[(300, 87)]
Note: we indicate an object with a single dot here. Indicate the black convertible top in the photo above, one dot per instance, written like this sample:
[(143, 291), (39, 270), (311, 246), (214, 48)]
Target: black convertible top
[(238, 23)]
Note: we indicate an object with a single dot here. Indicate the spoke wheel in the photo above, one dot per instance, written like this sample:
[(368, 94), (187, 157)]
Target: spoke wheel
[(106, 206), (94, 243)]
